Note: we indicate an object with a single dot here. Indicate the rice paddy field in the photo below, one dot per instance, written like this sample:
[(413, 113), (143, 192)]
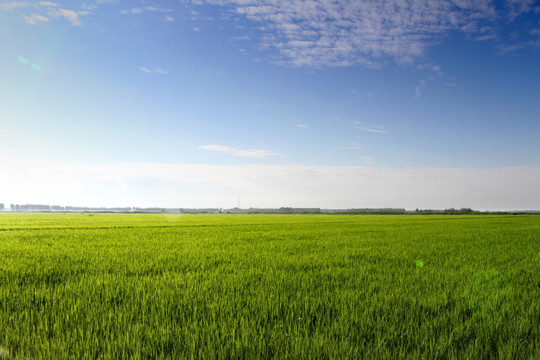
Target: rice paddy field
[(139, 286)]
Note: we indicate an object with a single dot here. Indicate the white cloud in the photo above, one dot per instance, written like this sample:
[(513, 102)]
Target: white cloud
[(138, 11), (518, 7), (356, 93), (340, 33), (156, 70), (433, 67), (47, 4), (253, 153), (34, 19), (184, 185), (516, 47), (153, 8), (302, 126), (70, 15), (48, 10), (321, 33), (352, 147), (418, 88), (368, 160), (417, 91), (160, 71), (13, 5), (371, 129)]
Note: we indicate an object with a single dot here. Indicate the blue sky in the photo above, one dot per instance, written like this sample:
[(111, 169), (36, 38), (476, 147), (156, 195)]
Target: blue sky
[(287, 103)]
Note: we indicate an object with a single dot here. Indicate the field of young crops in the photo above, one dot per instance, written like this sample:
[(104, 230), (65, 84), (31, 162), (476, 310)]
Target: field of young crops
[(95, 286)]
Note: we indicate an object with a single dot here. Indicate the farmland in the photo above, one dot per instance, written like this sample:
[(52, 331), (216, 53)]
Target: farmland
[(116, 286)]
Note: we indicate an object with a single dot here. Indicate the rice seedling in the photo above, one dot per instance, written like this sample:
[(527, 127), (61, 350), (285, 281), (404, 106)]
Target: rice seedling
[(269, 286)]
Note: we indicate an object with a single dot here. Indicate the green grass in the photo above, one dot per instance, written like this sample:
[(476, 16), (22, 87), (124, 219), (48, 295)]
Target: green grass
[(269, 286)]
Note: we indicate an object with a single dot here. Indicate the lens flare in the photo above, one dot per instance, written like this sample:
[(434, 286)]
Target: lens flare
[(23, 60)]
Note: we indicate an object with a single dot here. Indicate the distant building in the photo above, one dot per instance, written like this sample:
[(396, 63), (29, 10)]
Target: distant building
[(1, 206)]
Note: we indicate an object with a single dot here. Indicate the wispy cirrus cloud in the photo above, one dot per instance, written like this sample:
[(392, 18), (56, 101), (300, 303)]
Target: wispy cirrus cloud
[(374, 128), (352, 147), (155, 70), (161, 71), (371, 130), (253, 153)]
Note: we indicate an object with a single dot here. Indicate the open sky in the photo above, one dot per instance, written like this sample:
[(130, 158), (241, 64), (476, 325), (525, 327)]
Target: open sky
[(323, 103)]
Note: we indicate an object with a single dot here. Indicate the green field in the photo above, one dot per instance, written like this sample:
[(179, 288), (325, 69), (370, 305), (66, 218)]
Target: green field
[(96, 286)]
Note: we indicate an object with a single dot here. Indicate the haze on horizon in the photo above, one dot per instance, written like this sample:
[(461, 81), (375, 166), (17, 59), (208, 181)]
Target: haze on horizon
[(331, 104)]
